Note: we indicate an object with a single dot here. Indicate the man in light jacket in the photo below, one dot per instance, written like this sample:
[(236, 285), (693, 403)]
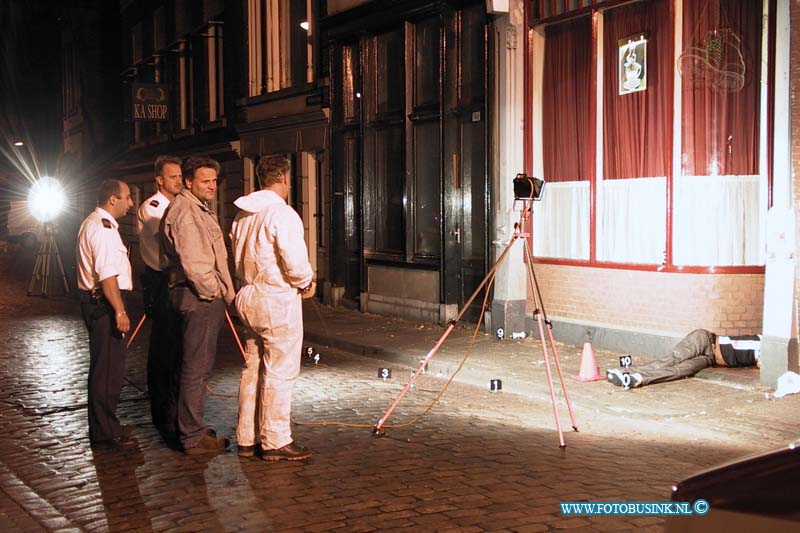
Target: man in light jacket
[(272, 262), (200, 285)]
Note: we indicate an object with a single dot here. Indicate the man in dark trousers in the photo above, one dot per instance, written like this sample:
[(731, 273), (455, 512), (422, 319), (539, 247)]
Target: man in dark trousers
[(104, 277), (163, 354), (699, 349), (200, 285)]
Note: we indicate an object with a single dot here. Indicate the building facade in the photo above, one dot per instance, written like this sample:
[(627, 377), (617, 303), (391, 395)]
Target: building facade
[(663, 129)]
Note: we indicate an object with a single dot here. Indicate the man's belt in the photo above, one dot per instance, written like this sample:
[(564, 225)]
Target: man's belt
[(96, 296)]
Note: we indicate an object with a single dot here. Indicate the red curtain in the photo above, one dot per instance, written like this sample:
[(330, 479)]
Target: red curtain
[(565, 101), (637, 127), (720, 129)]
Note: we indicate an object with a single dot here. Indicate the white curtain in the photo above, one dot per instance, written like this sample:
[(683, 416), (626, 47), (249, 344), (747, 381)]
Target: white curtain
[(561, 221), (632, 220), (718, 220)]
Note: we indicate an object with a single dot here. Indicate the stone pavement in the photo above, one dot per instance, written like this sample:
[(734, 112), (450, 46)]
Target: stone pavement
[(477, 462)]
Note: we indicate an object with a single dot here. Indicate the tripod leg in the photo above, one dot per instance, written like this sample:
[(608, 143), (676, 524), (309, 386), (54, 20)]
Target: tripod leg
[(135, 332), (422, 365), (61, 268), (489, 275), (537, 299), (33, 276), (236, 335), (37, 269), (539, 320), (48, 257), (538, 296), (561, 377)]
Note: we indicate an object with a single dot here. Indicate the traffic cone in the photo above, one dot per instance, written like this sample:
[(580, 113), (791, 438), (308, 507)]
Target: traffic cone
[(589, 370)]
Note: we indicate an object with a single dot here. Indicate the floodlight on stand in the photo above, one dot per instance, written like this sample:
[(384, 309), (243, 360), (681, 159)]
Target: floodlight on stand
[(46, 200), (528, 188)]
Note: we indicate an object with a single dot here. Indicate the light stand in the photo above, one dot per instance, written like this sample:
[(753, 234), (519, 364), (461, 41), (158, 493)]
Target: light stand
[(48, 252), (538, 314)]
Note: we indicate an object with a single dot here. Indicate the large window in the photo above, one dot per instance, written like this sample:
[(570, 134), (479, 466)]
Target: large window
[(384, 144), (642, 129), (279, 44), (562, 219), (719, 194), (403, 154)]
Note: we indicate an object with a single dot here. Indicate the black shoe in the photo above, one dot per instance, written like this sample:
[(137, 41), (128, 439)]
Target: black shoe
[(208, 444), (121, 441), (246, 451), (290, 452)]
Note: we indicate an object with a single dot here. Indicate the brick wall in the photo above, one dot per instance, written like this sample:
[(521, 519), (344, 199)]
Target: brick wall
[(661, 303), (795, 126)]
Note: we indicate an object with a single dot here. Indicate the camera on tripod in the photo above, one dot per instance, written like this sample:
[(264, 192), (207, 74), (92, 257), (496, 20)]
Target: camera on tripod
[(528, 188)]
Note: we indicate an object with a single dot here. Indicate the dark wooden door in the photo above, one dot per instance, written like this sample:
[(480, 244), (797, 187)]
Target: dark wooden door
[(346, 171), (465, 171)]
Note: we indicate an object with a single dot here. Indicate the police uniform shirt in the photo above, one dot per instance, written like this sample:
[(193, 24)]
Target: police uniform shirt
[(149, 219), (101, 253)]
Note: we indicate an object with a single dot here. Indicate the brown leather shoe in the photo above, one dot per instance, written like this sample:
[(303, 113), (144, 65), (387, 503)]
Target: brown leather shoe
[(290, 452), (246, 451), (121, 441), (208, 444)]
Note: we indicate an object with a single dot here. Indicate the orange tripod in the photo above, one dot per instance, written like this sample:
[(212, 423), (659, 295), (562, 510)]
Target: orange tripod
[(538, 314)]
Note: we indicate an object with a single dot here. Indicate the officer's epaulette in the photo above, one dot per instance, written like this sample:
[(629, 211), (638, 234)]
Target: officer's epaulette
[(154, 203), (107, 223)]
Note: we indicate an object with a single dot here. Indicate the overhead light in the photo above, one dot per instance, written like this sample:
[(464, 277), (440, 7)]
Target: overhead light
[(19, 143), (304, 25)]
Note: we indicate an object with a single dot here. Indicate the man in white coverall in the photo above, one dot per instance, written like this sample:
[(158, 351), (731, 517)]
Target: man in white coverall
[(272, 262)]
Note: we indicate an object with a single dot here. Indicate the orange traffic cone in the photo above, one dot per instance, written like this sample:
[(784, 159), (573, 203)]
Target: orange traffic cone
[(589, 370)]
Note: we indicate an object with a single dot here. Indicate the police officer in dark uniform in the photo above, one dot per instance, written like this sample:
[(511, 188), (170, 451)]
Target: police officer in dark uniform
[(163, 355), (104, 276)]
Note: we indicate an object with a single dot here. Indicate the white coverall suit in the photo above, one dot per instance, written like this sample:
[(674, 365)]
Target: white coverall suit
[(272, 261)]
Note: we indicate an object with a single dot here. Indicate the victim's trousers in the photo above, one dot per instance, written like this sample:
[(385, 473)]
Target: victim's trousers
[(691, 355), (273, 345)]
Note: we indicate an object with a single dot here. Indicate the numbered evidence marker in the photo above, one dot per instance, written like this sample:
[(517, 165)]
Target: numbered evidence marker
[(495, 385), (500, 333), (385, 373), (310, 351), (625, 361)]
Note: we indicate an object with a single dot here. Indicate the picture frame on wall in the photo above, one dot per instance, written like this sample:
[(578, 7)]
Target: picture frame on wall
[(632, 64)]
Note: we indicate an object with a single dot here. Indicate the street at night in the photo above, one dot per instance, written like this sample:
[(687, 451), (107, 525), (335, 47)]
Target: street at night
[(478, 265), (477, 462)]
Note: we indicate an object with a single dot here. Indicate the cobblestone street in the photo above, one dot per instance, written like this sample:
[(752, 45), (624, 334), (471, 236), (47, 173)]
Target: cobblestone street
[(478, 461)]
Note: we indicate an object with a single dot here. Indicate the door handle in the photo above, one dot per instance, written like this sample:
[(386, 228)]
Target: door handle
[(456, 233)]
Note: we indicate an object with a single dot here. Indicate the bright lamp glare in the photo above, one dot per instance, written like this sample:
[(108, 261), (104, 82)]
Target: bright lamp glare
[(46, 199)]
